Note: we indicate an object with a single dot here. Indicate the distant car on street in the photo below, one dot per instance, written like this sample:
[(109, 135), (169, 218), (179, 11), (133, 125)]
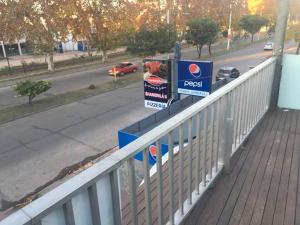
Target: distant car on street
[(269, 46), (123, 68), (227, 72)]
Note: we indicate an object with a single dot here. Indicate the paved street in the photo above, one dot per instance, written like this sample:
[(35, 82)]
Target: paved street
[(35, 149), (82, 79)]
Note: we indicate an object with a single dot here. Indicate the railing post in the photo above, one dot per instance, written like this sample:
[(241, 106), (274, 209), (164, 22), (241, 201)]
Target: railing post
[(228, 133), (280, 31)]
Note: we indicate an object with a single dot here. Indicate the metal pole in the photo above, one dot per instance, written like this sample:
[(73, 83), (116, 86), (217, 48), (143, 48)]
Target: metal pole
[(279, 39), (174, 74), (229, 28), (3, 49)]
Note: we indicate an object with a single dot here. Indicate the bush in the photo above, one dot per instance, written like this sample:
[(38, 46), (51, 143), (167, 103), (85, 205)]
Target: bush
[(91, 87), (32, 88)]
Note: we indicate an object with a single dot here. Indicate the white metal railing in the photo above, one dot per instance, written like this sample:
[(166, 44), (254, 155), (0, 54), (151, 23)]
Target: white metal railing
[(216, 127)]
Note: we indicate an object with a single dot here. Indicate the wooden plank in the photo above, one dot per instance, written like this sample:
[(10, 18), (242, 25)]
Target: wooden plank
[(256, 185), (290, 210), (297, 148), (223, 188), (273, 191), (285, 174), (263, 193), (238, 198)]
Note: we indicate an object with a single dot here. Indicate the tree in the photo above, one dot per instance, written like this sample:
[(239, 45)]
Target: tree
[(201, 32), (98, 22), (32, 88), (11, 15), (252, 24), (147, 41), (293, 33), (42, 23)]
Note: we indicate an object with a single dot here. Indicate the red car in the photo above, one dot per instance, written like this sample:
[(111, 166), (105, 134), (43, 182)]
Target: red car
[(123, 68)]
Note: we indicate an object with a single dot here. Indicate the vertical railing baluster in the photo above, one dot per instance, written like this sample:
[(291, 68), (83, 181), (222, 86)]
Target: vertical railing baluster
[(267, 88), (159, 183), (171, 177), (253, 120), (115, 192), (216, 136), (204, 147), (248, 106), (190, 158), (228, 133), (132, 186), (235, 97), (251, 103), (260, 94), (256, 97), (181, 166), (243, 102), (93, 196), (240, 103), (198, 152), (211, 140), (147, 188), (69, 213)]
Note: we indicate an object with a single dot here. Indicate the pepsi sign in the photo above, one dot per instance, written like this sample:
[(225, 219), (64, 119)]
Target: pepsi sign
[(125, 138), (195, 77)]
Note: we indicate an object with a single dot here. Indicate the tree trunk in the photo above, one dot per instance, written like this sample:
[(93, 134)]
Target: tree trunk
[(8, 64), (50, 62), (199, 50), (104, 56), (252, 38), (30, 100), (89, 50), (298, 49), (209, 47)]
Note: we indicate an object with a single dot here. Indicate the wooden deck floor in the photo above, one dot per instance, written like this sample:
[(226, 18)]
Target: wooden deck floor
[(264, 185)]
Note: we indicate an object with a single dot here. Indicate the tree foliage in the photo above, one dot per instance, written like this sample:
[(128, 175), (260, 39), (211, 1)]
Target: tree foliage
[(252, 24), (293, 33), (201, 32), (42, 23), (32, 88), (99, 22), (148, 42)]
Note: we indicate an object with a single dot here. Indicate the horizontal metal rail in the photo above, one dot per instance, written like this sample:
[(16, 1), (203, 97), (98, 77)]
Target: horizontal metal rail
[(221, 122)]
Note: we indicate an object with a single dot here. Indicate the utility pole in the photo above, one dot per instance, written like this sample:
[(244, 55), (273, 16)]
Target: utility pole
[(229, 28), (177, 54), (280, 31)]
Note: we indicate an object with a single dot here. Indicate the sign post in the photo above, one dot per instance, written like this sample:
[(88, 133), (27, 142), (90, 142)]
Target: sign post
[(195, 77), (115, 74)]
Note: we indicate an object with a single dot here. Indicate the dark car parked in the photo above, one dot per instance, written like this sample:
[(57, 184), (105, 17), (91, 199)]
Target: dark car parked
[(227, 72)]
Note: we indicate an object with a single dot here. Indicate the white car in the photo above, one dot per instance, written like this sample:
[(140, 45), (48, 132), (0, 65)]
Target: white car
[(269, 46)]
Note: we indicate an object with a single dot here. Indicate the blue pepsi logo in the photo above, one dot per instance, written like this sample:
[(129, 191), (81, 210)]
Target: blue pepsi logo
[(195, 70)]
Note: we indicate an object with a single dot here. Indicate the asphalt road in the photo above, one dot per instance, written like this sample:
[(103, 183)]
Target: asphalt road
[(83, 78), (36, 148)]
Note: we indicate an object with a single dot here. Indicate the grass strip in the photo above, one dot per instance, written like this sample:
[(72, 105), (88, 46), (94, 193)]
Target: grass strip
[(15, 112)]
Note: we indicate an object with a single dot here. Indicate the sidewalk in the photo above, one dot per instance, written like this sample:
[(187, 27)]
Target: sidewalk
[(17, 60)]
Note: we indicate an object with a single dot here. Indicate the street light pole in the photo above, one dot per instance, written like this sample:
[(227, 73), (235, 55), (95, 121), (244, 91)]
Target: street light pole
[(229, 28)]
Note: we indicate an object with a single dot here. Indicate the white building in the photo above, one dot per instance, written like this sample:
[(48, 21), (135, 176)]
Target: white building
[(19, 47)]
